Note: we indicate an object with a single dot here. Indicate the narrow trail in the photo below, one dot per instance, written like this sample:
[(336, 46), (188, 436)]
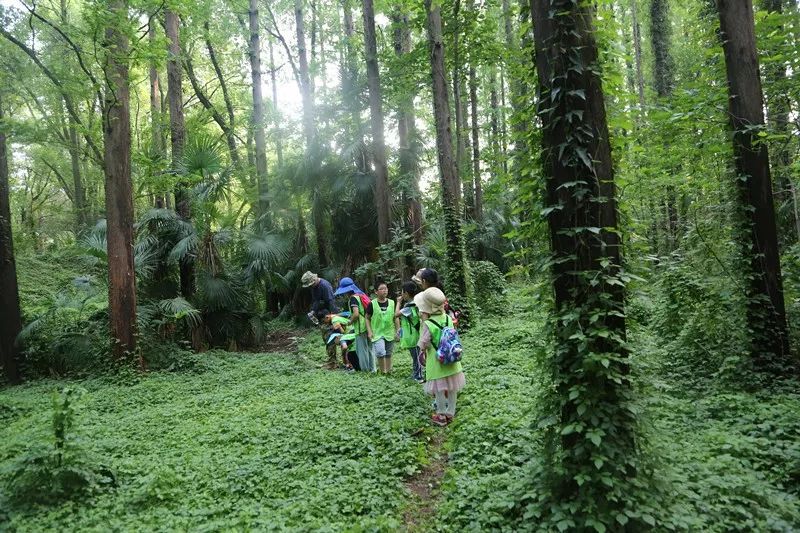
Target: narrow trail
[(424, 485)]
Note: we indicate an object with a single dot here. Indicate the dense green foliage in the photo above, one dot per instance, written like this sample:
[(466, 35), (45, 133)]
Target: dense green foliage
[(269, 441)]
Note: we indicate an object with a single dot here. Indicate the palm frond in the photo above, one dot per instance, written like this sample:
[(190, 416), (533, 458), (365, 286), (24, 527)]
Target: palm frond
[(185, 249), (180, 309)]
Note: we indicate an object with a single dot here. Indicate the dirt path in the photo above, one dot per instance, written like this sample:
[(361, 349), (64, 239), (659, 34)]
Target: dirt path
[(424, 485)]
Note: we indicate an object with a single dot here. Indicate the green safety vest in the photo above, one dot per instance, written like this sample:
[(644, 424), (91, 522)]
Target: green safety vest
[(359, 325), (433, 368), (410, 326), (382, 321), (349, 332)]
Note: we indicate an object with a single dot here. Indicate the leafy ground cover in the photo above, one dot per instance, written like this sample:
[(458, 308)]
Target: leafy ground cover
[(270, 441)]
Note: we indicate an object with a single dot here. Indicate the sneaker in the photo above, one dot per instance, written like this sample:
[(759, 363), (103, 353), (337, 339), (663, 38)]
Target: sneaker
[(439, 420)]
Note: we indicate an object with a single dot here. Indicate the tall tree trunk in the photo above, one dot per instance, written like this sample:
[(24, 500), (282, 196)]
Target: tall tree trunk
[(660, 36), (494, 122), (577, 164), (119, 189), (407, 134), (350, 86), (766, 312), (778, 108), (456, 272), (258, 117), (462, 162), (78, 190), (178, 135), (637, 52), (383, 197), (11, 324), (277, 121), (476, 151), (157, 137), (305, 79)]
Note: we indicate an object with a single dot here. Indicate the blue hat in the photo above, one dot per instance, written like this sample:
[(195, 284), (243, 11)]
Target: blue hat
[(346, 285)]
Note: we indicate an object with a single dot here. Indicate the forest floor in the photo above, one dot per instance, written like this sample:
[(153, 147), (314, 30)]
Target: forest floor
[(269, 441)]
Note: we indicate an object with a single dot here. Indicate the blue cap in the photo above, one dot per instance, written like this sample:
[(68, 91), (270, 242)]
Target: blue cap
[(346, 285)]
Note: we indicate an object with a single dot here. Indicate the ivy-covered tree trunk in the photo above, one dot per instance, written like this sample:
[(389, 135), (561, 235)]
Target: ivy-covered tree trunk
[(383, 197), (766, 313), (458, 290), (119, 189), (258, 117), (663, 76), (11, 324), (595, 427)]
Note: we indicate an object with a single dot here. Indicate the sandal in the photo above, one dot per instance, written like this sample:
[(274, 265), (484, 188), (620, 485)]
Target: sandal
[(439, 420)]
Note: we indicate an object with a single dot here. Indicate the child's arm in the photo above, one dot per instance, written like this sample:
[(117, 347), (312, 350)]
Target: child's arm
[(396, 326), (398, 306)]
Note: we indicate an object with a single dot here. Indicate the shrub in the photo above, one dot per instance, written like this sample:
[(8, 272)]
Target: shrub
[(489, 286), (60, 471)]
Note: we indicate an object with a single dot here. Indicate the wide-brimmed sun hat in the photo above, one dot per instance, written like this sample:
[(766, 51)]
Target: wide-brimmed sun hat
[(308, 279), (347, 285), (430, 301)]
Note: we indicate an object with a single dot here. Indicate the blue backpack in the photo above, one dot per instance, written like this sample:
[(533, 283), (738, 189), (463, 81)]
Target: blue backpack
[(449, 350)]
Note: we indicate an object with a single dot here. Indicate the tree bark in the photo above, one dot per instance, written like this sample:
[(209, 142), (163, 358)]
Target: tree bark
[(305, 80), (407, 134), (766, 312), (11, 324), (157, 136), (119, 189), (580, 191), (383, 197), (258, 117), (350, 86), (456, 261), (637, 53), (778, 110), (476, 151), (276, 122), (178, 135), (660, 36)]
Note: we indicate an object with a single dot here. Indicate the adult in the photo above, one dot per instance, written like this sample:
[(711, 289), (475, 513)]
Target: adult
[(357, 308), (427, 278), (380, 327), (322, 303)]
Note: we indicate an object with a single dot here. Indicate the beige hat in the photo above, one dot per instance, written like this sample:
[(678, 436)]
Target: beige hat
[(308, 279), (430, 301)]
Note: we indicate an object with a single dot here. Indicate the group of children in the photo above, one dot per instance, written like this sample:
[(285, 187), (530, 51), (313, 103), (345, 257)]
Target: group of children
[(368, 332)]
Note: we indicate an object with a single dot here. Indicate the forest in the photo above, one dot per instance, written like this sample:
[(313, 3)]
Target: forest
[(598, 197)]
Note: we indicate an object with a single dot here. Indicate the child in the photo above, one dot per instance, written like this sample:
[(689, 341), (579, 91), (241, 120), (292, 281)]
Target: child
[(339, 329), (407, 322), (356, 307), (443, 381), (380, 327)]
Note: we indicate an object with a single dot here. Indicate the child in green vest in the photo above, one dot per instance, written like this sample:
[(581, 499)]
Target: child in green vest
[(442, 381), (339, 330), (357, 311), (380, 327), (407, 322)]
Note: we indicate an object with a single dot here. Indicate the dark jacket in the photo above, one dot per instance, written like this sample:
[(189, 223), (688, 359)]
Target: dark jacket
[(322, 297)]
